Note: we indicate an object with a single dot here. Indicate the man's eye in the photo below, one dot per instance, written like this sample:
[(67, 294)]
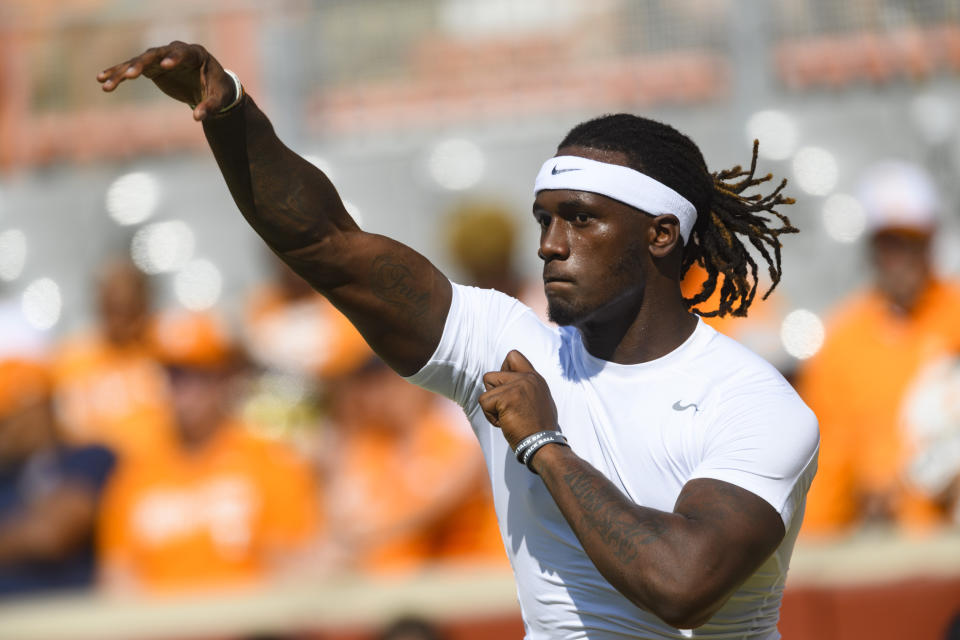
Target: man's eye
[(544, 221), (581, 218)]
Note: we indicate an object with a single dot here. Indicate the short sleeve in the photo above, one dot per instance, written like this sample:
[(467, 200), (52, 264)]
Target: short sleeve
[(764, 440), (470, 344)]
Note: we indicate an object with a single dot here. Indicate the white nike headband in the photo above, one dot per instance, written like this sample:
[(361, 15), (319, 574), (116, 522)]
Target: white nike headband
[(618, 182)]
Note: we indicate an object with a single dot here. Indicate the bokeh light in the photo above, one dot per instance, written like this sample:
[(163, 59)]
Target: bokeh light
[(162, 246), (934, 117), (843, 218), (777, 132), (41, 303), (815, 170), (198, 284), (13, 254), (802, 333), (133, 198), (456, 164)]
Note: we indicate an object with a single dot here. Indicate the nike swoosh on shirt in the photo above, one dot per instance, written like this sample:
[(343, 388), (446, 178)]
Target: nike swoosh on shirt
[(678, 407), (555, 170)]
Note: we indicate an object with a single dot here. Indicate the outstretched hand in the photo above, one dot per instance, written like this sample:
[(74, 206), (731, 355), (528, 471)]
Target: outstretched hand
[(518, 400), (185, 72)]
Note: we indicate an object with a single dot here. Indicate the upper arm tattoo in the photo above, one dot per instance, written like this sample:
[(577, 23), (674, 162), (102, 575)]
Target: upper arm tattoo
[(394, 282)]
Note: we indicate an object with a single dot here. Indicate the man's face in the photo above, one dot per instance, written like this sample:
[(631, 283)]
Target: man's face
[(201, 401), (593, 250), (901, 261), (123, 305)]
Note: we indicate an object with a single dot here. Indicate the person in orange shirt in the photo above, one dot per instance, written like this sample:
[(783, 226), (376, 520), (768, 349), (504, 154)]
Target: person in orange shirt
[(403, 477), (223, 508), (876, 344), (292, 329), (299, 340), (109, 388)]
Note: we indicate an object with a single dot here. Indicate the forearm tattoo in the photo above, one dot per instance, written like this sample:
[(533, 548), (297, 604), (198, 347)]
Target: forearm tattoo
[(393, 282), (606, 512)]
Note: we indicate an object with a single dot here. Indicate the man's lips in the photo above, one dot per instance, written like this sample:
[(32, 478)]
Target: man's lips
[(556, 278)]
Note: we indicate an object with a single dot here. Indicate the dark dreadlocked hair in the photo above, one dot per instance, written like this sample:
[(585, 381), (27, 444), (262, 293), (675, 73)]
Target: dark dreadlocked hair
[(723, 213)]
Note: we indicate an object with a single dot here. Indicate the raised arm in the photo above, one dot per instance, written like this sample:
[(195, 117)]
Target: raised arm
[(394, 296)]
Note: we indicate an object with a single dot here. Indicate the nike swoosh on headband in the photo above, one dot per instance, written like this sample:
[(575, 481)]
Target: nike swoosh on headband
[(621, 183)]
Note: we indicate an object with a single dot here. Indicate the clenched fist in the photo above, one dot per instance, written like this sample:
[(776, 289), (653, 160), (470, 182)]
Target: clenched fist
[(517, 400)]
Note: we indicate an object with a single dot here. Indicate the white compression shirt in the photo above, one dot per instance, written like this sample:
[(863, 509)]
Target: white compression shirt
[(708, 409)]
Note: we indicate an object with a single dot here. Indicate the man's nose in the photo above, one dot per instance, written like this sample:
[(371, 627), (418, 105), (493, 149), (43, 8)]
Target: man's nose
[(554, 244)]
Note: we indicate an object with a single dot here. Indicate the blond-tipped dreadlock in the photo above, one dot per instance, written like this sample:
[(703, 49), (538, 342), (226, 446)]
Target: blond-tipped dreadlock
[(724, 214), (715, 247)]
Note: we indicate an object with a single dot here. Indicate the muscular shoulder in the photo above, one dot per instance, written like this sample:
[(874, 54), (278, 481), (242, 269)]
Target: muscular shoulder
[(503, 321), (748, 392), (499, 308), (734, 369)]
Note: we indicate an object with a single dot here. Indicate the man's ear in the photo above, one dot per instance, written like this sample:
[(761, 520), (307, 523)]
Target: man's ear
[(663, 235)]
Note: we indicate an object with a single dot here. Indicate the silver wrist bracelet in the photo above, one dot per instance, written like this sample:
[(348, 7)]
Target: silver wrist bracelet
[(238, 93), (238, 87)]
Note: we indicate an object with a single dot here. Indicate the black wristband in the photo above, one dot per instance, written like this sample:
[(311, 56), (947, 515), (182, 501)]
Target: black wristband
[(532, 439), (544, 438)]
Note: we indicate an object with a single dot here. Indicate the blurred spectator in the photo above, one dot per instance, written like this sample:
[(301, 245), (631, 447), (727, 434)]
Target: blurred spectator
[(481, 239), (292, 329), (48, 491), (931, 418), (876, 345), (224, 507), (298, 339), (404, 474), (109, 388), (410, 628)]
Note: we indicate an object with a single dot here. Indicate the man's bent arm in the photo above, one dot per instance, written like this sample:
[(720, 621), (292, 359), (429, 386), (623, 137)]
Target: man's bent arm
[(392, 294), (395, 297), (681, 566)]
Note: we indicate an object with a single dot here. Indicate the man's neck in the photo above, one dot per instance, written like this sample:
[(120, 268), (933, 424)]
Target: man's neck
[(656, 326)]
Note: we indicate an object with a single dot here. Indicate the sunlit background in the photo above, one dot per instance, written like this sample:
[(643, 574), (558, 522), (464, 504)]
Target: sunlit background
[(414, 107)]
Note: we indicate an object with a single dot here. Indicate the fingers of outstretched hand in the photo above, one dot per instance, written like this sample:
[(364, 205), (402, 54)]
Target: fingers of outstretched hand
[(116, 74), (149, 63), (112, 77)]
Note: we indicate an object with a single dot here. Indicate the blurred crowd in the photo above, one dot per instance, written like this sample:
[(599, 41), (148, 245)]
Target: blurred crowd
[(166, 450)]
